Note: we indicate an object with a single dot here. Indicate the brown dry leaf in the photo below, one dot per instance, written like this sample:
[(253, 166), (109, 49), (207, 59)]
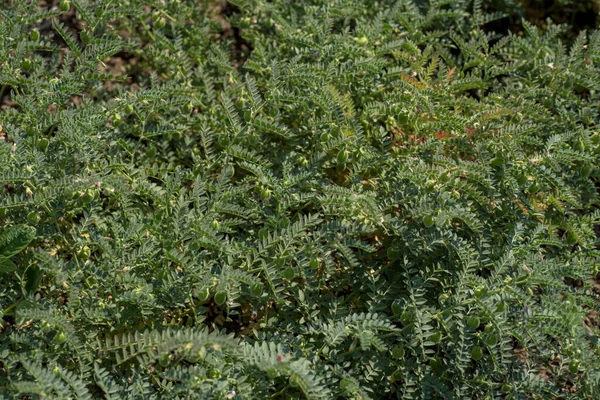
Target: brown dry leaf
[(443, 135), (220, 320), (414, 138), (26, 324), (521, 206), (540, 207), (450, 74), (411, 81)]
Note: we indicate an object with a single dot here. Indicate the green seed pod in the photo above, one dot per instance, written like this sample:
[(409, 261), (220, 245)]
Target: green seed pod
[(473, 322), (324, 138), (116, 120), (34, 35), (129, 108), (2, 212), (396, 307), (245, 22), (314, 263), (429, 185), (533, 188), (84, 252), (164, 360), (595, 138), (428, 221), (507, 387), (220, 298), (397, 375), (392, 253), (491, 339), (85, 37), (342, 156), (60, 337), (362, 41), (42, 144), (477, 353), (497, 161), (406, 318), (256, 289), (160, 23), (26, 64), (336, 131), (272, 372), (204, 294), (64, 6), (33, 217), (265, 193), (151, 151), (574, 366), (88, 196), (522, 179), (479, 291), (289, 273), (436, 337), (398, 352), (215, 224)]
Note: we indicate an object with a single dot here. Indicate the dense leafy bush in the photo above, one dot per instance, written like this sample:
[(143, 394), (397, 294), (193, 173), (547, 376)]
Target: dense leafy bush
[(283, 199)]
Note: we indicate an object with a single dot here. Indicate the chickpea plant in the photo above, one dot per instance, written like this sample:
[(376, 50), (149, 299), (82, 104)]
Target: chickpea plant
[(352, 199)]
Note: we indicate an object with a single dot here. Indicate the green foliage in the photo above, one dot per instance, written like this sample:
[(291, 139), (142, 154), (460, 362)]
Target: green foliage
[(12, 241), (15, 239), (322, 200)]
